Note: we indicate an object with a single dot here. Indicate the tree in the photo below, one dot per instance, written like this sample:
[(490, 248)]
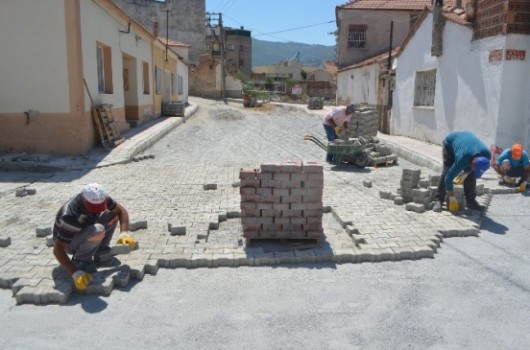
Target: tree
[(303, 73)]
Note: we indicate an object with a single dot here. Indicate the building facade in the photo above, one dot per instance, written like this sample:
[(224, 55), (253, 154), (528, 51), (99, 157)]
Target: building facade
[(179, 20)]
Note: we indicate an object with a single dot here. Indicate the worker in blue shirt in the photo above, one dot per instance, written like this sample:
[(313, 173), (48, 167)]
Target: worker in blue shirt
[(462, 152), (513, 163)]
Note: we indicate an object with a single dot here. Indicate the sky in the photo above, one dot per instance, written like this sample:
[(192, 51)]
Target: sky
[(302, 21)]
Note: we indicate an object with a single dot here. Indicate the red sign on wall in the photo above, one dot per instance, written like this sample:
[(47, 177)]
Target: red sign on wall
[(515, 55)]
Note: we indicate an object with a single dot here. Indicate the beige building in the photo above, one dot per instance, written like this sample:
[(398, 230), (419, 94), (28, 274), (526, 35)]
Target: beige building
[(289, 69), (364, 27), (44, 105)]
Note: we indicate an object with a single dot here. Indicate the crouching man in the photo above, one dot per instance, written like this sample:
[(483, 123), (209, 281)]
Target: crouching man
[(83, 228)]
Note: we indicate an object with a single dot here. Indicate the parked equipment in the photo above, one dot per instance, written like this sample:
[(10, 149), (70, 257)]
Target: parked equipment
[(344, 151), (315, 103)]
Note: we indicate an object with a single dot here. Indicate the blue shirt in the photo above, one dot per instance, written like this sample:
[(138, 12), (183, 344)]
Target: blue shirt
[(465, 146), (507, 154)]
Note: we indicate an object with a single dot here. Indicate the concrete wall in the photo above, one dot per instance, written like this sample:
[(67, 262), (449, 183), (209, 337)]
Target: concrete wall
[(42, 38), (377, 33), (473, 92), (292, 68), (186, 20), (40, 72), (358, 85)]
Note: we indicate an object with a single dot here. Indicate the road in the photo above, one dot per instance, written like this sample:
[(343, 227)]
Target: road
[(474, 293)]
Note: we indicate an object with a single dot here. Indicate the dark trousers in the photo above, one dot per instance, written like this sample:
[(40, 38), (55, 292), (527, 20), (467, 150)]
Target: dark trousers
[(330, 135), (470, 182), (88, 241)]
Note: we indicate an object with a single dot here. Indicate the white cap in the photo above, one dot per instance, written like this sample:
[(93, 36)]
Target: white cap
[(95, 195)]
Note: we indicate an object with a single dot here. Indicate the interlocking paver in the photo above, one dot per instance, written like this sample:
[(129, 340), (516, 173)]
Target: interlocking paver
[(189, 217)]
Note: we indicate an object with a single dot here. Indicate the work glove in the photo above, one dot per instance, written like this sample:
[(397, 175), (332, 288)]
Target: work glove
[(459, 180), (521, 187), (338, 130), (126, 238), (453, 204), (81, 279)]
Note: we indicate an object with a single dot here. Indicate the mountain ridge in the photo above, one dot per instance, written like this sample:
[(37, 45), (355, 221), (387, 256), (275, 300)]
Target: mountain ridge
[(266, 53)]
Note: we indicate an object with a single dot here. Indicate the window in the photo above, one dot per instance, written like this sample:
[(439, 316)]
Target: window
[(207, 47), (145, 79), (158, 80), (357, 36), (241, 48), (241, 62), (181, 84), (173, 83), (104, 63), (231, 47), (424, 88)]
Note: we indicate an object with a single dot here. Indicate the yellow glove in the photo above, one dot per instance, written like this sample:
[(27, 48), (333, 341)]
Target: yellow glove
[(453, 205), (126, 238), (521, 187), (81, 279), (338, 130), (459, 180)]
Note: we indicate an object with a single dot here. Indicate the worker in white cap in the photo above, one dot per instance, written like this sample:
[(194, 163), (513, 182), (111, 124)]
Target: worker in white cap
[(84, 227)]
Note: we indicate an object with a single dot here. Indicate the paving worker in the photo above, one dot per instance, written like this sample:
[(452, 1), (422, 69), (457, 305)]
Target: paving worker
[(337, 118), (512, 163), (462, 151), (83, 227)]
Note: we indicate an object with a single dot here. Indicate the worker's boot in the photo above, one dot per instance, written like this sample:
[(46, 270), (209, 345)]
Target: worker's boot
[(473, 205)]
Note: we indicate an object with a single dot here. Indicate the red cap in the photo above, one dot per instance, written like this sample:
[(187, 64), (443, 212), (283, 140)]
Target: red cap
[(517, 151)]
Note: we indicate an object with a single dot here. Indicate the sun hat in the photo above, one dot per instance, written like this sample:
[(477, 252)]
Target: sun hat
[(517, 151), (95, 198), (481, 165)]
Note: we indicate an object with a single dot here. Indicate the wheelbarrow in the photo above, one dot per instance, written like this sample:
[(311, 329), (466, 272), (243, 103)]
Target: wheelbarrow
[(343, 151)]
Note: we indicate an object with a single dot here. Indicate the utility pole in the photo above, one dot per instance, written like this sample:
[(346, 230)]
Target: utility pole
[(220, 41)]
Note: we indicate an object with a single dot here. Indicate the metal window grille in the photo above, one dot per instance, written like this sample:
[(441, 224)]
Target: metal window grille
[(357, 36), (424, 88)]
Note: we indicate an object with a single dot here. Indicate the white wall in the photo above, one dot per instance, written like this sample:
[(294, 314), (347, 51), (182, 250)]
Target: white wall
[(182, 70), (467, 86), (33, 57), (359, 85), (98, 25), (514, 101)]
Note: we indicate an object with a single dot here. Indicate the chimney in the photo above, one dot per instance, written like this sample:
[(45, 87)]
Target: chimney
[(155, 29)]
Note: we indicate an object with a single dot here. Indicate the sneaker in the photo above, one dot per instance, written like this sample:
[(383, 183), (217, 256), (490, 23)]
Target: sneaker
[(475, 206), (87, 266), (437, 207)]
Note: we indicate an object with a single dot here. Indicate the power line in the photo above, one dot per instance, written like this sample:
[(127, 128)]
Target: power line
[(293, 29)]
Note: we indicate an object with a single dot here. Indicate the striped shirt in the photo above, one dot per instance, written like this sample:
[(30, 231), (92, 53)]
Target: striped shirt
[(74, 217)]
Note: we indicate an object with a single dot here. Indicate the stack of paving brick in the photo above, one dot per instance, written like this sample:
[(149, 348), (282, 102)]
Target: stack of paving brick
[(282, 200), (364, 122)]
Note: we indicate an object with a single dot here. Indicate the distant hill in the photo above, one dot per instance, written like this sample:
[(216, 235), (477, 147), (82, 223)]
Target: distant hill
[(265, 53)]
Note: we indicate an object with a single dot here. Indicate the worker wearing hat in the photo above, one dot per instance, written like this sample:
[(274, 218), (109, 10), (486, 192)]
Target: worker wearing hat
[(462, 152), (511, 164), (83, 227), (337, 118)]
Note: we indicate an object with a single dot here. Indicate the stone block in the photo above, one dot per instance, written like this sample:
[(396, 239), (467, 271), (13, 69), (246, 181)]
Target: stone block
[(43, 232)]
